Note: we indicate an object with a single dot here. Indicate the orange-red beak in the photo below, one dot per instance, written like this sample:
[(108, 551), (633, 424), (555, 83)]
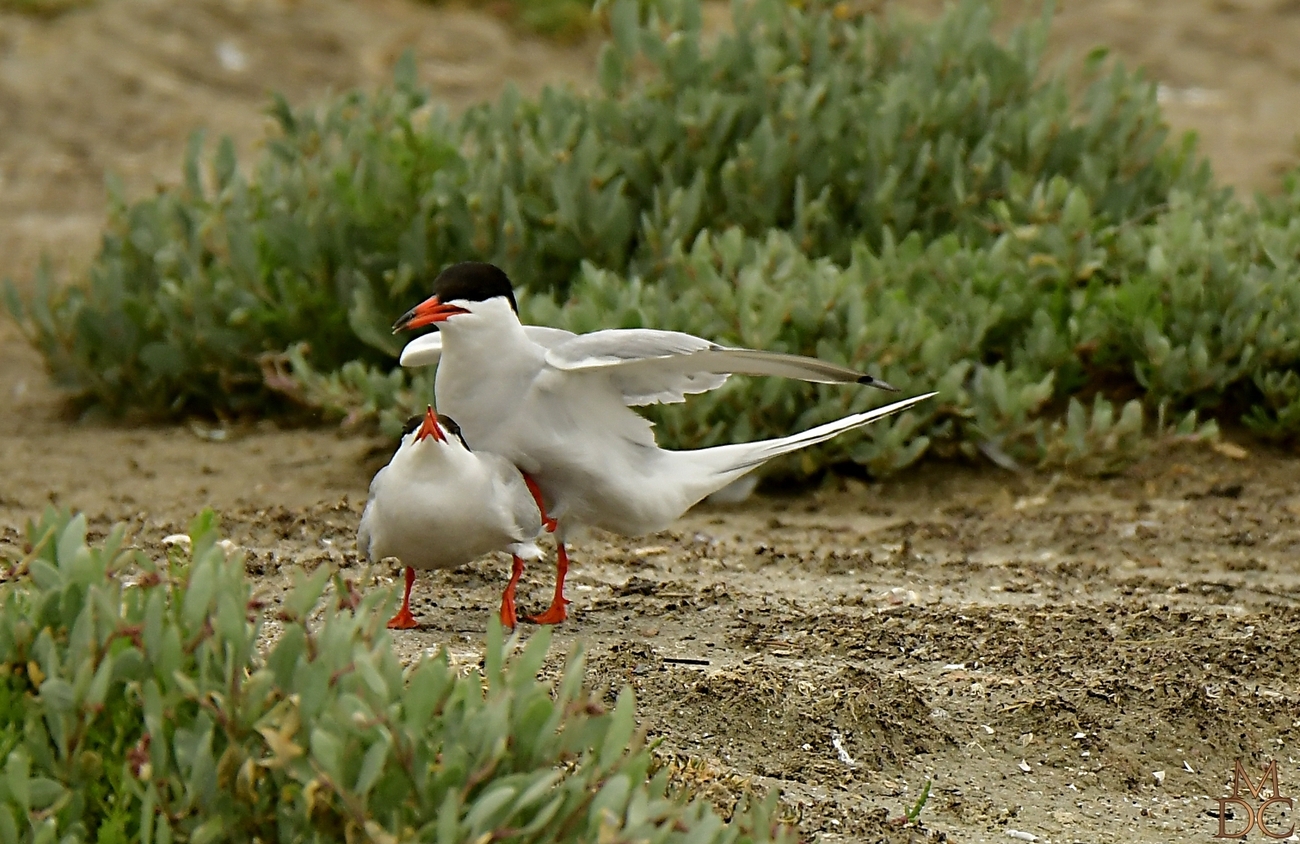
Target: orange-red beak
[(430, 427), (428, 312)]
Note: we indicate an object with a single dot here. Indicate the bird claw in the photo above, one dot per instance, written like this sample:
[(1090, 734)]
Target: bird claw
[(403, 620), (557, 613)]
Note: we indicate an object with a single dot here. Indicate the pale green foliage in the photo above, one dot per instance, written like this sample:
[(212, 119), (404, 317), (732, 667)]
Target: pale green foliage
[(42, 8), (555, 18), (920, 201), (921, 318), (192, 287), (135, 706)]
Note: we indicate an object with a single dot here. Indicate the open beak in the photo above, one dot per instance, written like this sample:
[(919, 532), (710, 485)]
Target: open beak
[(430, 427), (428, 312)]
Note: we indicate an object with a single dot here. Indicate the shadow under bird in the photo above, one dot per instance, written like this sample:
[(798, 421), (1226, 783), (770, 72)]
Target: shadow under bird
[(558, 406), (439, 505)]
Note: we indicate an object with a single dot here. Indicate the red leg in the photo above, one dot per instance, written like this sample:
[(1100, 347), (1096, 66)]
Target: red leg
[(404, 620), (557, 611), (547, 521), (508, 617)]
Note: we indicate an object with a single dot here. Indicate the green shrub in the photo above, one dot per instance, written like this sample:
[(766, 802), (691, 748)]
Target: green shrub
[(42, 8), (839, 131), (193, 285), (144, 701), (567, 19), (918, 200), (922, 317)]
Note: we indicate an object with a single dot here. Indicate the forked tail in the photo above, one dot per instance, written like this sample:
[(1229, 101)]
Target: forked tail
[(723, 464)]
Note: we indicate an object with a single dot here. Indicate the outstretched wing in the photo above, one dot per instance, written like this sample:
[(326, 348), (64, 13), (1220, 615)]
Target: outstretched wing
[(651, 366)]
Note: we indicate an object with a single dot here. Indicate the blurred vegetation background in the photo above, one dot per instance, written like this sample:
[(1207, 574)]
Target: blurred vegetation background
[(556, 18), (923, 199), (565, 19)]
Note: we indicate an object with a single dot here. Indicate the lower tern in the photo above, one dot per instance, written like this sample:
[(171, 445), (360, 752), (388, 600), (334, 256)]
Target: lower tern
[(439, 505)]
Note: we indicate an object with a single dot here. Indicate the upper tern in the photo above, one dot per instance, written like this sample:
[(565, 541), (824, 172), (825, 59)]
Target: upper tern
[(557, 405)]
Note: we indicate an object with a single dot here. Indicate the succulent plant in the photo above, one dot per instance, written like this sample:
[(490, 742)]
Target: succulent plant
[(142, 700), (921, 200)]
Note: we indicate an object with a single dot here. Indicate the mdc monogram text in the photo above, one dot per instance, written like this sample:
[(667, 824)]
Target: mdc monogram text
[(1254, 812)]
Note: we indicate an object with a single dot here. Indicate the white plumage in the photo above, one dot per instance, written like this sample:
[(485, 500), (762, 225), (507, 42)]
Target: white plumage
[(557, 405)]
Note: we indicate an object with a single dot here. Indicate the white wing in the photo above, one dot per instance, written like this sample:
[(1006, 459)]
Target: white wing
[(363, 529), (426, 350), (615, 346), (651, 366), (510, 493)]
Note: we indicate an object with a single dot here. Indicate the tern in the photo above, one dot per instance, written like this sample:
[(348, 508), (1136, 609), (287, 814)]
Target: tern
[(439, 505), (558, 406)]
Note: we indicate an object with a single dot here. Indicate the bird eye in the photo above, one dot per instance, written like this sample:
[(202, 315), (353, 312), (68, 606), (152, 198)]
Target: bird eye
[(451, 427)]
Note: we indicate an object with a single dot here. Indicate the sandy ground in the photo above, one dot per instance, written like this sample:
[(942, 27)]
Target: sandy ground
[(1065, 659)]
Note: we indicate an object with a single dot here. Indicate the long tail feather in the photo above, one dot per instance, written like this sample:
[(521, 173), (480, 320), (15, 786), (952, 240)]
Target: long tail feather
[(728, 462)]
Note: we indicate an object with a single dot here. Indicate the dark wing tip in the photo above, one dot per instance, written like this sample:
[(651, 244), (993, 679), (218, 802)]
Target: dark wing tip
[(877, 383)]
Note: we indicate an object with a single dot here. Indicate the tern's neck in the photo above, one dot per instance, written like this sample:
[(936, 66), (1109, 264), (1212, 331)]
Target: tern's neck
[(423, 459), (489, 338), (488, 364)]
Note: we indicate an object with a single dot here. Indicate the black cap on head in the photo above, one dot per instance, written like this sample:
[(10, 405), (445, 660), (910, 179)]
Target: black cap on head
[(473, 281), (448, 424), (452, 428)]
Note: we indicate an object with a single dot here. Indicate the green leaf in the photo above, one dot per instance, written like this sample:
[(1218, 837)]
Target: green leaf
[(72, 540), (306, 592), (622, 722), (58, 695), (8, 828), (368, 323), (607, 807), (44, 792), (224, 165), (98, 690), (18, 778), (405, 71), (1096, 56), (14, 302), (45, 575), (200, 593), (284, 656), (193, 181), (486, 809), (212, 829), (327, 749), (624, 26), (372, 765)]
